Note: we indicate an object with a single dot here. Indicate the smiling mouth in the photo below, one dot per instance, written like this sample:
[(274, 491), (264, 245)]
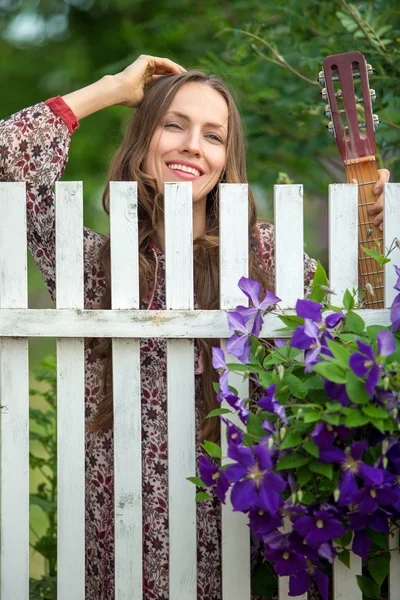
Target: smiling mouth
[(185, 169)]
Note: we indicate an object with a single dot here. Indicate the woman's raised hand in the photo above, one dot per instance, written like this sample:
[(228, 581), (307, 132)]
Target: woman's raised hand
[(123, 89), (132, 81), (376, 210)]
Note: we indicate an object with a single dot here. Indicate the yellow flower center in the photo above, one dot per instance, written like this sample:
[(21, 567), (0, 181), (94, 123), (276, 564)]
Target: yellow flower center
[(373, 493), (256, 474), (285, 555), (368, 364), (261, 512), (320, 524), (215, 475)]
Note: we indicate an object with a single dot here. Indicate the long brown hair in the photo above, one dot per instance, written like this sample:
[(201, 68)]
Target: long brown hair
[(127, 165)]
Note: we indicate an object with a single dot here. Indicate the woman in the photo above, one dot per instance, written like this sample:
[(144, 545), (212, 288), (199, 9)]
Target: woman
[(186, 127)]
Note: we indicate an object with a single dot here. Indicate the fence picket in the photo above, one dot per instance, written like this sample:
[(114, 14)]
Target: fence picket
[(181, 388), (234, 265), (14, 401), (391, 234), (126, 395), (70, 398), (343, 239), (289, 244)]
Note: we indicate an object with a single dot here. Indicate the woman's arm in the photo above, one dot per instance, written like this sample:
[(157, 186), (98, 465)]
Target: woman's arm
[(123, 89)]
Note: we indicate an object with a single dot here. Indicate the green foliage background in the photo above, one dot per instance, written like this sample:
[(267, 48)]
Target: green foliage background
[(268, 52)]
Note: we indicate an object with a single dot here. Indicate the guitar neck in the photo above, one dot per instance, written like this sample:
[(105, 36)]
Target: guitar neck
[(370, 271)]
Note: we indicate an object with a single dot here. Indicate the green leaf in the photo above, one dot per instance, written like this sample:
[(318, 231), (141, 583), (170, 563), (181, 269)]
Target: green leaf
[(44, 504), (330, 371), (311, 447), (320, 278), (344, 558), (215, 385), (379, 538), (296, 386), (303, 476), (368, 586), (292, 461), (341, 353), (355, 389), (292, 438), (345, 539), (355, 419), (322, 468), (376, 256), (212, 449), (378, 566), (355, 323), (348, 300), (201, 496), (311, 416), (375, 412), (254, 426), (218, 411), (291, 321), (315, 382), (197, 481)]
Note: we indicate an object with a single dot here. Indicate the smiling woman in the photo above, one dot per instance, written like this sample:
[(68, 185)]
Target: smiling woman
[(186, 127)]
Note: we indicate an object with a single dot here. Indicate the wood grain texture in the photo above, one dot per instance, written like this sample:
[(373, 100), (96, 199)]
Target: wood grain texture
[(343, 240), (70, 398), (14, 401), (234, 265), (126, 395), (181, 396), (289, 244)]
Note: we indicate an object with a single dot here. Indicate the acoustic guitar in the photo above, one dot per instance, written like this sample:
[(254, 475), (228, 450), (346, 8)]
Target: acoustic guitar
[(345, 78)]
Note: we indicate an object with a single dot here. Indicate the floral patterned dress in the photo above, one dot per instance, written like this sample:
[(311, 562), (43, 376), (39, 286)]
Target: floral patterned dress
[(34, 146)]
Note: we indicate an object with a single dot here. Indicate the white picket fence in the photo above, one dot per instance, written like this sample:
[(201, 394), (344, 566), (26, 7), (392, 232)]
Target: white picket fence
[(70, 323)]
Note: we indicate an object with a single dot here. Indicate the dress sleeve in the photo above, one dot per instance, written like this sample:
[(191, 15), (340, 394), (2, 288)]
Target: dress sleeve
[(34, 145), (266, 238)]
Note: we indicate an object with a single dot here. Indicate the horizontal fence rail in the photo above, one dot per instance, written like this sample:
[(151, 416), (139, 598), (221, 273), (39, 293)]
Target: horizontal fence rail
[(126, 324)]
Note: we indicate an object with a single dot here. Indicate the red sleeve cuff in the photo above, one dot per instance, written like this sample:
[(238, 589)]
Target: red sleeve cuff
[(60, 108)]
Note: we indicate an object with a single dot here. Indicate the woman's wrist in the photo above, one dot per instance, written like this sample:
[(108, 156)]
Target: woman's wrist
[(105, 92)]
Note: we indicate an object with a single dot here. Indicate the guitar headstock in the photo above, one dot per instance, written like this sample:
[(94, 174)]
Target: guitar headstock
[(349, 104)]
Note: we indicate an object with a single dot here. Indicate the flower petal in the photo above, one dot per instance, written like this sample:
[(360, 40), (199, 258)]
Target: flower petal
[(386, 343), (251, 288), (308, 309)]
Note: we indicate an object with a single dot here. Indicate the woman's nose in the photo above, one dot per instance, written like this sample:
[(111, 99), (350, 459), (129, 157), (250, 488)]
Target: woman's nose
[(192, 144)]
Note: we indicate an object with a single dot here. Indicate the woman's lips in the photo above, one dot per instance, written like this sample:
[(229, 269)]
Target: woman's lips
[(184, 174)]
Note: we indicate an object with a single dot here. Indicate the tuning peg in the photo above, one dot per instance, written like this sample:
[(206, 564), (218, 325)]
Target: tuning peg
[(327, 111), (331, 128), (324, 94), (373, 95), (321, 78), (376, 122)]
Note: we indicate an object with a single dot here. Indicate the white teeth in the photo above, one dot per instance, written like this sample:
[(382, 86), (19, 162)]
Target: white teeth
[(184, 168)]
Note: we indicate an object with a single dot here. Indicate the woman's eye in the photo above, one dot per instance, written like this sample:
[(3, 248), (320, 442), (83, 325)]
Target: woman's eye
[(216, 138), (173, 125)]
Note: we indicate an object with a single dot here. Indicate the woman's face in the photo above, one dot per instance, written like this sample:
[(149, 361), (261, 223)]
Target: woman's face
[(189, 144)]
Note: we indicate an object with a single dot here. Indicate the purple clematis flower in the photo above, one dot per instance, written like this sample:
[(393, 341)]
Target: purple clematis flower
[(364, 363), (213, 477), (255, 485), (252, 290), (224, 393), (271, 404), (313, 334), (395, 313), (320, 528), (361, 543), (239, 343), (397, 284)]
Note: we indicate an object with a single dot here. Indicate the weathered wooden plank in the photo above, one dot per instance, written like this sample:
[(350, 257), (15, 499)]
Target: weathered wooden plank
[(343, 239), (14, 401), (345, 586), (234, 265), (181, 396), (70, 398), (135, 324), (289, 244), (126, 395), (391, 233), (394, 573)]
